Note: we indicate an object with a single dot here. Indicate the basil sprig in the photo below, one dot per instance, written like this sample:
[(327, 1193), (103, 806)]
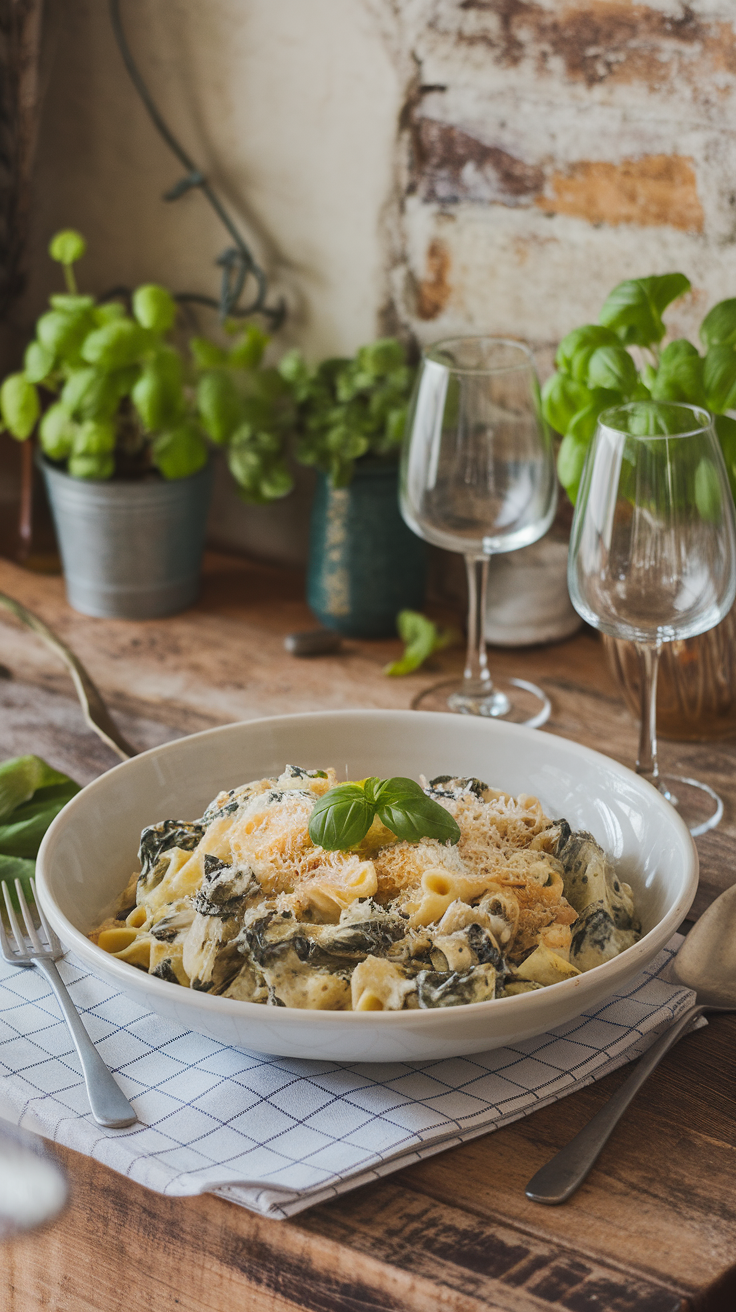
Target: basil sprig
[(342, 818), (594, 370)]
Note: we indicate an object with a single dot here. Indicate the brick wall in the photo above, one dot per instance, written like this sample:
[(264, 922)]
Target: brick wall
[(550, 148)]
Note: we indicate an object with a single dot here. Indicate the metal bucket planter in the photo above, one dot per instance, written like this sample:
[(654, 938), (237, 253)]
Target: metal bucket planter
[(365, 565), (130, 550)]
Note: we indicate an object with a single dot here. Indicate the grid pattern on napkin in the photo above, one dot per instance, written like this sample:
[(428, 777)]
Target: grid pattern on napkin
[(276, 1134)]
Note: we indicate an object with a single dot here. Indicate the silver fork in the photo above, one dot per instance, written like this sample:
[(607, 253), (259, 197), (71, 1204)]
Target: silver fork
[(109, 1105)]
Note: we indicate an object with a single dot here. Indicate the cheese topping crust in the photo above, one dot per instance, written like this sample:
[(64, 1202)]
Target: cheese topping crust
[(243, 904)]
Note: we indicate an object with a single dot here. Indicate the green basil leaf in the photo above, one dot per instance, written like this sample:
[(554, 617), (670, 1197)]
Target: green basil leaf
[(726, 430), (67, 247), (95, 437), (206, 354), (57, 432), (341, 819), (107, 313), (419, 634), (277, 482), (570, 461), (91, 394), (180, 452), (154, 307), (116, 345), (19, 406), (38, 362), (220, 406), (404, 808), (680, 376), (652, 421), (158, 393), (94, 468), (612, 367), (719, 325), (247, 353), (634, 308), (676, 352), (719, 377), (584, 423), (708, 491), (422, 637), (17, 867), (23, 830), (72, 301), (63, 331), (562, 397), (20, 777), (580, 343), (381, 357)]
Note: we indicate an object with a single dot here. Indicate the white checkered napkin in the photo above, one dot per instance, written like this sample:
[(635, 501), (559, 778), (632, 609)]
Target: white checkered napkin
[(278, 1135)]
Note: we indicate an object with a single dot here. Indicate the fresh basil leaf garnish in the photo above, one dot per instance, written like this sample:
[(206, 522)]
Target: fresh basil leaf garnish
[(370, 788), (404, 808), (341, 818)]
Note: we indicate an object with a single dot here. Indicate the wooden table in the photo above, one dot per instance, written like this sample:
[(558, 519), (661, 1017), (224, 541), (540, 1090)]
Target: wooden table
[(653, 1229)]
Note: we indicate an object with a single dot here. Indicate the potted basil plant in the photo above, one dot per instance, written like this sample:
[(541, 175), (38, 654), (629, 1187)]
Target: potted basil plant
[(365, 565), (122, 446), (621, 358)]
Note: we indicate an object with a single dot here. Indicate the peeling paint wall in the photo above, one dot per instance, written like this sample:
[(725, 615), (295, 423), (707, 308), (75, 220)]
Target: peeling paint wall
[(550, 149)]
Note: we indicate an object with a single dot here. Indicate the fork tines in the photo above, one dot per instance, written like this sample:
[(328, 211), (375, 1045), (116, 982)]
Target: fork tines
[(21, 950)]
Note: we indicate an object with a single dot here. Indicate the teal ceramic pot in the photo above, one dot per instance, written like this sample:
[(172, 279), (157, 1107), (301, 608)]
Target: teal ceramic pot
[(365, 565)]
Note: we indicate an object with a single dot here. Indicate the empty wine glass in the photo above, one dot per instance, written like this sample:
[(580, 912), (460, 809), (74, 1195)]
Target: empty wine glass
[(478, 477), (653, 554)]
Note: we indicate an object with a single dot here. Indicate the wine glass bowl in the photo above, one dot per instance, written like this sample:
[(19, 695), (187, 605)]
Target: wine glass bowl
[(653, 548), (478, 477)]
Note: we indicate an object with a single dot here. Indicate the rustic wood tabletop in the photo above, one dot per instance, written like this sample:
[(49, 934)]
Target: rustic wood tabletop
[(654, 1227)]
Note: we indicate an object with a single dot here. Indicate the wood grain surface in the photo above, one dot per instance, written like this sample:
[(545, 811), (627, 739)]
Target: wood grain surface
[(654, 1227)]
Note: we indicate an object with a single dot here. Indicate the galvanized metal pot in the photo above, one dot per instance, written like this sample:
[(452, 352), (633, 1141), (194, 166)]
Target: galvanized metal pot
[(130, 550), (365, 565)]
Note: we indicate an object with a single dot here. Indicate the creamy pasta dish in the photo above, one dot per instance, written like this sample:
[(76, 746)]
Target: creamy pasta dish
[(243, 903)]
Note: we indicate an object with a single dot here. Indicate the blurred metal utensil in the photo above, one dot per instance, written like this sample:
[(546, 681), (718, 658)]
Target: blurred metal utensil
[(95, 711), (109, 1105), (33, 1187), (706, 962)]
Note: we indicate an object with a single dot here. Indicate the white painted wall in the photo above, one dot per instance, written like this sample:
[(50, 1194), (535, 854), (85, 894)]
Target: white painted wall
[(289, 106)]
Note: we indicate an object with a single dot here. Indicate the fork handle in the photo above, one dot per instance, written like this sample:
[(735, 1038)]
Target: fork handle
[(558, 1180), (109, 1105)]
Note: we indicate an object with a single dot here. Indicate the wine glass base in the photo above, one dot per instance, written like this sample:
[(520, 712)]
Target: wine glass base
[(698, 804), (516, 701)]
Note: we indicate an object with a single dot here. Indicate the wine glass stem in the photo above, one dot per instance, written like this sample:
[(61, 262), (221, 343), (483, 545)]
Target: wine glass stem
[(646, 762), (476, 678)]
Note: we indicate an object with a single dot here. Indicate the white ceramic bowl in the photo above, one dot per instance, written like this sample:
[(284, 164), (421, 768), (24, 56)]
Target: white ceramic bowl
[(90, 850)]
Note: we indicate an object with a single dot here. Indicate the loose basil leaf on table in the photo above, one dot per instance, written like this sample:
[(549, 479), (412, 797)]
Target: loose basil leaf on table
[(422, 638), (31, 795)]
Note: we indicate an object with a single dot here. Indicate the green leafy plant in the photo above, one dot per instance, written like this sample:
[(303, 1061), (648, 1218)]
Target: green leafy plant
[(31, 796), (341, 819), (422, 638), (249, 410), (110, 394), (596, 369), (346, 409)]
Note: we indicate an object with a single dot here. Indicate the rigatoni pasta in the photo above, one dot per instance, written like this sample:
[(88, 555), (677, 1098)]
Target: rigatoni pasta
[(244, 904)]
